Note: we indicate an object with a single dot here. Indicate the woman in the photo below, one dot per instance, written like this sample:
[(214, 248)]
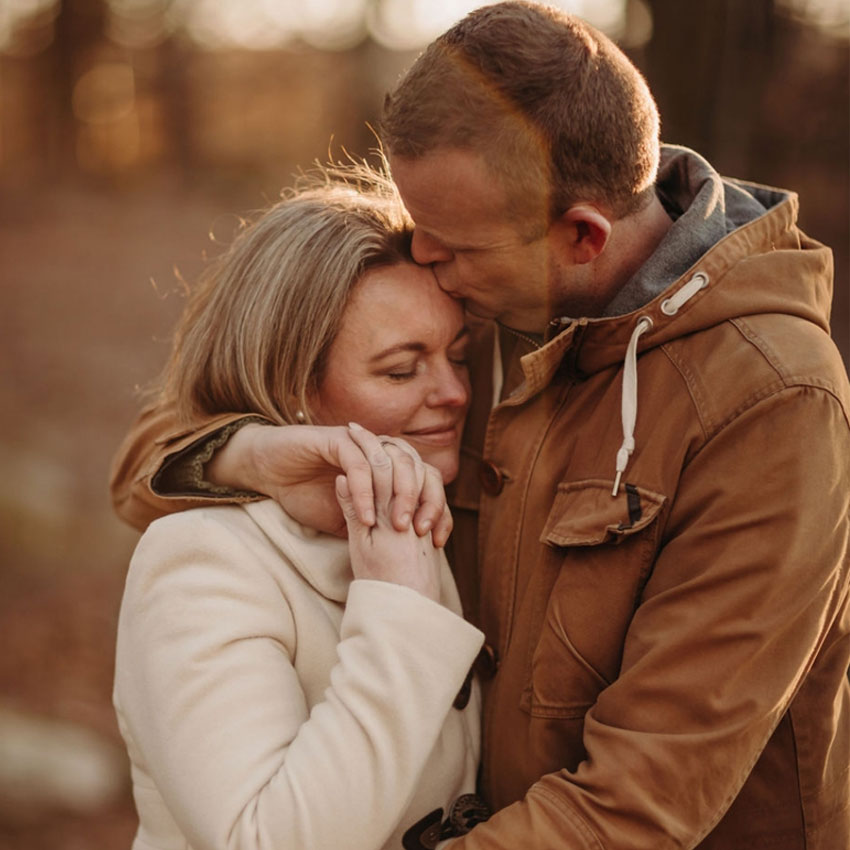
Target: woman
[(271, 692)]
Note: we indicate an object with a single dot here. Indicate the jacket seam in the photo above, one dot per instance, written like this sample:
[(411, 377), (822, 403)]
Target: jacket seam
[(571, 815), (797, 773), (759, 343), (688, 379), (768, 392), (781, 382), (783, 379), (775, 387)]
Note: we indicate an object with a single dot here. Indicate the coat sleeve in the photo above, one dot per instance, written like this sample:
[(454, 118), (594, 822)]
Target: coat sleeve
[(211, 704), (155, 440), (749, 588)]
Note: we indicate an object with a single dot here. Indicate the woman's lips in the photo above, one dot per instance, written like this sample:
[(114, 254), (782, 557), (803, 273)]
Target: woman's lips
[(437, 436)]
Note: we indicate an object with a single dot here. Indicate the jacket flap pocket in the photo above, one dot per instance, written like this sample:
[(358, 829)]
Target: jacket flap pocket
[(586, 514)]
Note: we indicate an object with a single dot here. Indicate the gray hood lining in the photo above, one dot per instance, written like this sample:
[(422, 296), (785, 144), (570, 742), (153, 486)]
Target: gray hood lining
[(705, 208)]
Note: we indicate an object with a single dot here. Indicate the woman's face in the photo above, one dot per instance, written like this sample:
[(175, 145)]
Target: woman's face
[(397, 365)]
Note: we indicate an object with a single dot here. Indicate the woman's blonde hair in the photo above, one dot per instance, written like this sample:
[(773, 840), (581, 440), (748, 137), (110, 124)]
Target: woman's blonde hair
[(256, 330)]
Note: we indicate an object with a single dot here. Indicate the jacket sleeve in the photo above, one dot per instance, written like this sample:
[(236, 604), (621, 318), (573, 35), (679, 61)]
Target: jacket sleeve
[(749, 587), (157, 439), (212, 706)]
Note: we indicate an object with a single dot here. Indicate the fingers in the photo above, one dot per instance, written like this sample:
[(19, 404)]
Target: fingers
[(443, 528), (398, 484), (359, 479), (380, 467), (408, 477), (343, 496), (433, 513), (352, 453), (397, 475)]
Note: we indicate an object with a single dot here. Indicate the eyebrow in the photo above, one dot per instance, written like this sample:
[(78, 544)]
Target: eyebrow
[(447, 243), (412, 346)]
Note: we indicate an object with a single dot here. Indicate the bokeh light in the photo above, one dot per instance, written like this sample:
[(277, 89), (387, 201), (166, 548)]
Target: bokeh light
[(26, 26), (269, 24), (137, 24), (830, 16)]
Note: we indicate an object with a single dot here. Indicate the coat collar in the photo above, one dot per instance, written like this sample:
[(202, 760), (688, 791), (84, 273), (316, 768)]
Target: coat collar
[(322, 560)]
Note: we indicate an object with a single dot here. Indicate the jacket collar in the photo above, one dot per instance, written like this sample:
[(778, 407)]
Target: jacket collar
[(322, 560)]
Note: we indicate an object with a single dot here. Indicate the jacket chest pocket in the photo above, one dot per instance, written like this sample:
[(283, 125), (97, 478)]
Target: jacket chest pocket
[(601, 549)]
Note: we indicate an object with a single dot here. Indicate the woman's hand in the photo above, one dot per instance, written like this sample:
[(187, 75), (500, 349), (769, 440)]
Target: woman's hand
[(380, 551)]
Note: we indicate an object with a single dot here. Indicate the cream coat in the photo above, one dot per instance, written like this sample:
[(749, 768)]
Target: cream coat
[(269, 701)]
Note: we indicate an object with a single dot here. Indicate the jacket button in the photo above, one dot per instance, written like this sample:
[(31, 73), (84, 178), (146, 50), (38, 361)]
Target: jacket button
[(462, 698), (487, 662), (491, 478)]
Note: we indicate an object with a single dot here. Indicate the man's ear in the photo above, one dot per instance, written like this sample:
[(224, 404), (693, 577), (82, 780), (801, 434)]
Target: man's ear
[(582, 233)]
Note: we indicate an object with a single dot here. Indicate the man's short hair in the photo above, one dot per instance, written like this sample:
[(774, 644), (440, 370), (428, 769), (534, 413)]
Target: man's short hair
[(551, 103)]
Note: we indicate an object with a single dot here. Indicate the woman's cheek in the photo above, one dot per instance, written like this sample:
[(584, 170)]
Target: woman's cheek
[(382, 411)]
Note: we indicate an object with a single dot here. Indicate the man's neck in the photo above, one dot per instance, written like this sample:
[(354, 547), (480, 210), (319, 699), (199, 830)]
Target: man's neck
[(632, 242), (586, 289)]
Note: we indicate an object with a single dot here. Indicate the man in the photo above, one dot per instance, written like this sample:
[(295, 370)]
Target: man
[(661, 488)]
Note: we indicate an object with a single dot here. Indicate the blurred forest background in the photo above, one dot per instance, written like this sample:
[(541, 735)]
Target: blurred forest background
[(132, 129)]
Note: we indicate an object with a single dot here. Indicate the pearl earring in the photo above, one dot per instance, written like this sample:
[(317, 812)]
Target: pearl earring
[(300, 416)]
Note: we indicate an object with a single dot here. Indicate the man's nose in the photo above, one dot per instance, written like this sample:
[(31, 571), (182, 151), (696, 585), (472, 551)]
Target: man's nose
[(426, 249)]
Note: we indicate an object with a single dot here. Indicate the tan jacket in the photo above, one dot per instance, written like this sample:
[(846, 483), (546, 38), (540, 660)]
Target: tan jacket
[(268, 700), (672, 660)]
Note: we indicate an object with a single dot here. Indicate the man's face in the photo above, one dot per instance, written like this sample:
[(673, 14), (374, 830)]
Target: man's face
[(478, 252)]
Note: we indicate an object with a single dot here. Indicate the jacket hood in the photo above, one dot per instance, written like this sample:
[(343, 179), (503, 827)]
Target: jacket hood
[(322, 560), (743, 241)]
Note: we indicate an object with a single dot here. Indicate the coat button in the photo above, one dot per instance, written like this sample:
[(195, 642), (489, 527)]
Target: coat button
[(462, 698), (487, 662), (466, 812), (491, 478)]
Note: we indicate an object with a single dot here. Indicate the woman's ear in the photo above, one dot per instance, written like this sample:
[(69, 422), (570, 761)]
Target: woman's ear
[(581, 233)]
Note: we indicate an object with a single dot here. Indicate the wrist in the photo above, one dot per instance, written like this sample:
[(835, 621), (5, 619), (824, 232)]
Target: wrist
[(234, 464)]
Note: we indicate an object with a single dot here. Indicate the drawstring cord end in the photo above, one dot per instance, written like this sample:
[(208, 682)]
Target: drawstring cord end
[(617, 483), (620, 468)]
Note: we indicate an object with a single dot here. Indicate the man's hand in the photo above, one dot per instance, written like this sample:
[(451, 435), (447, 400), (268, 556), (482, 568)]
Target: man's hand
[(296, 465)]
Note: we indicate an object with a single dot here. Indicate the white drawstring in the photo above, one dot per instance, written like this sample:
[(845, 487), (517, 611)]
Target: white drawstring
[(628, 403)]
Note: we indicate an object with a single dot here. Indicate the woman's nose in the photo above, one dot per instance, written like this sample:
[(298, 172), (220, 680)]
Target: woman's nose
[(426, 249), (450, 389)]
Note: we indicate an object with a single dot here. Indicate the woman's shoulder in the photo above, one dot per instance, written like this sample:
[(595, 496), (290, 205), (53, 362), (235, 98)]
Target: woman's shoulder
[(215, 539), (199, 526), (246, 538)]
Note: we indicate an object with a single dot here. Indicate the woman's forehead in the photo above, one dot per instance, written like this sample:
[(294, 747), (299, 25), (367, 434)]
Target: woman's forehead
[(401, 299)]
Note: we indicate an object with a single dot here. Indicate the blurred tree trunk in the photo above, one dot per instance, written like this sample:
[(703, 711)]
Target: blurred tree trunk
[(708, 64), (173, 88), (78, 32)]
